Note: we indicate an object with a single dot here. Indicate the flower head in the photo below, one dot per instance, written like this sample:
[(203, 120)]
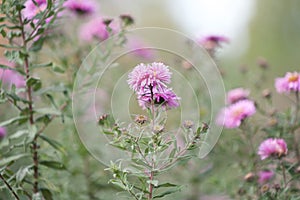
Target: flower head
[(233, 115), (2, 132), (289, 83), (272, 147), (149, 81), (155, 75), (81, 7), (236, 95), (265, 175)]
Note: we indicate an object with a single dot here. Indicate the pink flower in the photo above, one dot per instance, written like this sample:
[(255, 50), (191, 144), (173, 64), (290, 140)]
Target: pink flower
[(2, 132), (81, 7), (233, 115), (31, 10), (272, 148), (236, 95), (289, 83), (155, 75), (212, 41), (97, 29), (163, 97), (265, 176), (10, 77), (139, 48)]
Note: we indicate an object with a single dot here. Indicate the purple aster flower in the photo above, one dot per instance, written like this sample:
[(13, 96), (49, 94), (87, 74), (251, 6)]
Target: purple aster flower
[(233, 115), (236, 95), (164, 97), (272, 147), (156, 75), (265, 176), (97, 29), (289, 83), (2, 132), (81, 7)]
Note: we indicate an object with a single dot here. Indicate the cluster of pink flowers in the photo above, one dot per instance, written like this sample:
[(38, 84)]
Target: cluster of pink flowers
[(272, 147), (239, 108), (289, 83), (150, 81)]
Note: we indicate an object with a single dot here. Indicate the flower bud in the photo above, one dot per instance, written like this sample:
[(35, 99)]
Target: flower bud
[(249, 177)]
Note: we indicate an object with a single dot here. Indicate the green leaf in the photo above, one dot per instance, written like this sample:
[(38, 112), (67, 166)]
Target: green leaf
[(53, 164), (48, 111), (57, 68), (35, 83), (56, 145), (36, 46), (166, 193), (153, 182), (18, 134), (46, 193), (37, 196), (14, 158), (167, 185), (13, 120), (21, 174)]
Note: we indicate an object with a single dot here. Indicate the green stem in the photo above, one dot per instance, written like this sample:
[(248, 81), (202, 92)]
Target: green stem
[(30, 108)]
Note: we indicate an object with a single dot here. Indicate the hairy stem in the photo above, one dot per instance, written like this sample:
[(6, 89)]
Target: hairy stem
[(296, 142), (151, 185), (9, 187), (30, 107)]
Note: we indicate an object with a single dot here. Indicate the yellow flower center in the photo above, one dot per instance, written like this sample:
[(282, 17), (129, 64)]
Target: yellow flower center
[(293, 78)]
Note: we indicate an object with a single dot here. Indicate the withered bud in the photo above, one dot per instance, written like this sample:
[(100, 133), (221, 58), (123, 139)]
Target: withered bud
[(249, 177), (262, 63), (241, 191), (266, 93), (141, 119), (272, 122), (298, 169), (107, 21), (127, 19), (158, 129), (265, 188), (102, 119), (277, 187), (188, 124)]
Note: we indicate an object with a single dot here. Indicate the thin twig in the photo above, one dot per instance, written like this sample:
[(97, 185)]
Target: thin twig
[(9, 187)]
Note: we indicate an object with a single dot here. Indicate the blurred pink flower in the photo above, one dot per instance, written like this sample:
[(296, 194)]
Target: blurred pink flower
[(236, 95), (233, 115), (289, 83), (139, 48), (9, 77), (154, 75), (97, 29), (2, 132), (81, 7), (272, 147), (212, 41), (31, 10), (265, 175)]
